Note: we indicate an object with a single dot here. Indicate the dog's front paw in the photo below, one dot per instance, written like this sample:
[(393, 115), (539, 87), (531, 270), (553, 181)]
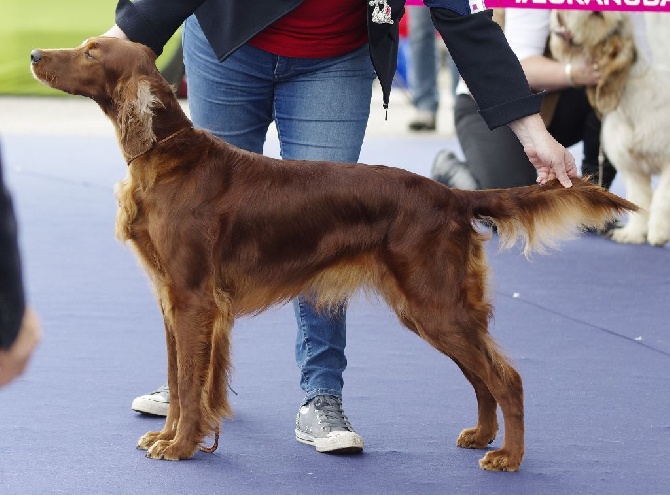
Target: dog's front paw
[(147, 440), (658, 237), (475, 438), (500, 460), (170, 450), (628, 235)]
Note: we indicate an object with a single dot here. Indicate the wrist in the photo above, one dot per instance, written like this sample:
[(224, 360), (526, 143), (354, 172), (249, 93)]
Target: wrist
[(526, 127), (568, 75), (115, 32)]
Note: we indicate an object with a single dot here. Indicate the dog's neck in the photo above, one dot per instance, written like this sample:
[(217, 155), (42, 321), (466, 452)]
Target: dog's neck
[(145, 116), (131, 158)]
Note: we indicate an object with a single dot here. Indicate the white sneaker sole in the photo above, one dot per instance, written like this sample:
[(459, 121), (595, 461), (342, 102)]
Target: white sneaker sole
[(146, 405), (337, 442)]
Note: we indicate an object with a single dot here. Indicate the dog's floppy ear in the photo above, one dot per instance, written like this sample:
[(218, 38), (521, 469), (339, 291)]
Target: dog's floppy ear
[(616, 57), (136, 103)]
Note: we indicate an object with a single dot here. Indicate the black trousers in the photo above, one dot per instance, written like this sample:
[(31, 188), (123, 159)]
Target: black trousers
[(496, 158)]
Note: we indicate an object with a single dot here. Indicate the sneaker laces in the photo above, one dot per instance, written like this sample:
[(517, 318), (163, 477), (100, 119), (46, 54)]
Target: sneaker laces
[(163, 390), (330, 412)]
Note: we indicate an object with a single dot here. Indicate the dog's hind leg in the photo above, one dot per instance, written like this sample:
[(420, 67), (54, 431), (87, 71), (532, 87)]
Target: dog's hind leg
[(448, 307), (487, 420), (494, 381)]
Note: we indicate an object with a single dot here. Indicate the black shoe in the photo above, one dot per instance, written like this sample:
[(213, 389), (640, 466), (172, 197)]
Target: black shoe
[(606, 230), (423, 121), (448, 170)]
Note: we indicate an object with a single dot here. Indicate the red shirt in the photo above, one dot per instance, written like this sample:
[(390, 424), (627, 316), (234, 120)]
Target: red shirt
[(316, 29)]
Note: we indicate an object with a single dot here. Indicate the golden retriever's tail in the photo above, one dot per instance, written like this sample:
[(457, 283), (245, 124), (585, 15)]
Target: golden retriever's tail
[(540, 215)]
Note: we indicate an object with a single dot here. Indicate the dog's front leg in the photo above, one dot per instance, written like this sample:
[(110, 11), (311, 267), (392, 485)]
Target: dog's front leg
[(638, 191), (169, 430), (188, 422), (659, 214)]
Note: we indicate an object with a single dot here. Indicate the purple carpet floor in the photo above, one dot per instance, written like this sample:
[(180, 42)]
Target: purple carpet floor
[(587, 325)]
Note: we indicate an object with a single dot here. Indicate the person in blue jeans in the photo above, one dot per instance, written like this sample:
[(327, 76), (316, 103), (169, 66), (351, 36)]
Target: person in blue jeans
[(309, 66), (424, 67)]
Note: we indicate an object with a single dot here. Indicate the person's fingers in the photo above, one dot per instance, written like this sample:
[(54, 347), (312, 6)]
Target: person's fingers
[(10, 367), (13, 361), (564, 180)]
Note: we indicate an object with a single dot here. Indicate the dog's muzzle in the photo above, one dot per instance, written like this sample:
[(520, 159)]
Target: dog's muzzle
[(35, 56)]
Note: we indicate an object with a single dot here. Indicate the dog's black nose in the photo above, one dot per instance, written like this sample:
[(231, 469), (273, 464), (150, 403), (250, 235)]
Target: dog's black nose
[(35, 56)]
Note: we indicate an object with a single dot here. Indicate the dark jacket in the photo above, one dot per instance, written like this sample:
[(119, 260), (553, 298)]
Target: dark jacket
[(12, 303), (476, 43)]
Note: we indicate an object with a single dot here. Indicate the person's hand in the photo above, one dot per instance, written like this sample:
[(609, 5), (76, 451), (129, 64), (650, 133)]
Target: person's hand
[(585, 73), (115, 32), (13, 361), (551, 160)]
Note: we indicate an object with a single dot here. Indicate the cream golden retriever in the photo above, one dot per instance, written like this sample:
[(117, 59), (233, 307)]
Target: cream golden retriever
[(633, 98)]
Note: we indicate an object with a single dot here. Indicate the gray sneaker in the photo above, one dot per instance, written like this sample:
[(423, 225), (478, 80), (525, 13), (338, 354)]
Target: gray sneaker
[(154, 404), (322, 423), (450, 171)]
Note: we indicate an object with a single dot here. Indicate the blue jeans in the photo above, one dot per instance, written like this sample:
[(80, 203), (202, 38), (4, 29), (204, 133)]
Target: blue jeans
[(422, 74), (321, 108)]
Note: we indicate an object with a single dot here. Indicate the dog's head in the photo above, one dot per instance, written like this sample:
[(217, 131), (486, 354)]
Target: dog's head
[(96, 69), (121, 76), (602, 38)]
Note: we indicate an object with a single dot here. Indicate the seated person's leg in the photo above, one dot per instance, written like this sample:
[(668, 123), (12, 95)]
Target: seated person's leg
[(494, 159)]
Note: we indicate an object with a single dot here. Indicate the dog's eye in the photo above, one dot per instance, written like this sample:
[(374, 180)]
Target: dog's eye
[(87, 54)]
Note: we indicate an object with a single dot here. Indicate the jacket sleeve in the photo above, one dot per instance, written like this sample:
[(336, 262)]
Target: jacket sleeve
[(487, 64), (12, 299), (153, 22)]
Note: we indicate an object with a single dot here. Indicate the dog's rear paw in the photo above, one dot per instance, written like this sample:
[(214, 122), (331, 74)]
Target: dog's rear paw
[(475, 438), (170, 450), (500, 460)]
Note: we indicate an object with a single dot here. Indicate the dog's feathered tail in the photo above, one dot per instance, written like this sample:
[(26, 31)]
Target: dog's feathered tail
[(541, 215)]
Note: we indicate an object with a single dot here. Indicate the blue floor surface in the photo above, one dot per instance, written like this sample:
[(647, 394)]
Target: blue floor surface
[(586, 325)]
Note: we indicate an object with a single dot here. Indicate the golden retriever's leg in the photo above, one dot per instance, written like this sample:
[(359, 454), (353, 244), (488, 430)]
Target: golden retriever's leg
[(659, 212), (638, 191), (195, 322)]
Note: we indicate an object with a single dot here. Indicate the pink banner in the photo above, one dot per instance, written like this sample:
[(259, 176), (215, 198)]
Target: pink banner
[(620, 5)]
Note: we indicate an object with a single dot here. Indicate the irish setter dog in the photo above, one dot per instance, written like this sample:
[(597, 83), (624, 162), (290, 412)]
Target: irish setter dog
[(224, 233)]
